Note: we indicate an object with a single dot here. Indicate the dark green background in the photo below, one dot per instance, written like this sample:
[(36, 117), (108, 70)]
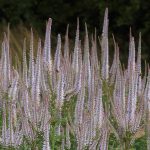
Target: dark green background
[(122, 15)]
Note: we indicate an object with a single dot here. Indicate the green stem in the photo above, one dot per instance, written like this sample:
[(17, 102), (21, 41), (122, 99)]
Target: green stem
[(126, 144)]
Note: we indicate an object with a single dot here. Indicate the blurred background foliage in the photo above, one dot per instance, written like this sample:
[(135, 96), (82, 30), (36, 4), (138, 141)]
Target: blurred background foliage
[(123, 14)]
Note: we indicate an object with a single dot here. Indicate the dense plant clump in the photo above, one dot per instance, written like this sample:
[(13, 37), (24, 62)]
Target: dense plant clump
[(74, 101)]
